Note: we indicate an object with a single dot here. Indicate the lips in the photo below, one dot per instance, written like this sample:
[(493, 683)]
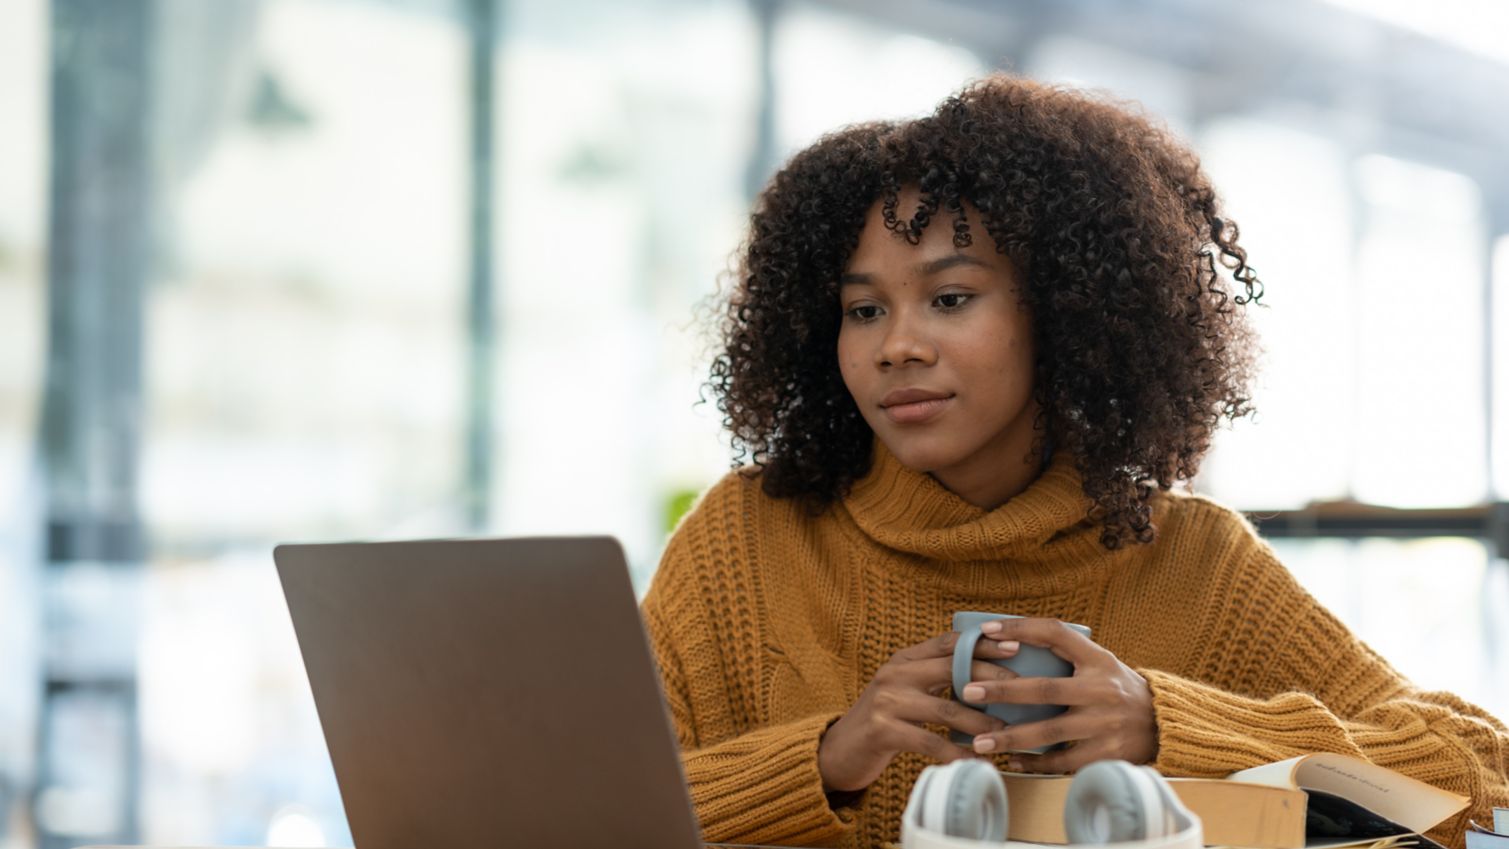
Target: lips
[(911, 406), (912, 396)]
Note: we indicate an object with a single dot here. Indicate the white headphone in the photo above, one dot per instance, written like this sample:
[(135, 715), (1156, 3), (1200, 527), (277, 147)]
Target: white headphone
[(963, 805)]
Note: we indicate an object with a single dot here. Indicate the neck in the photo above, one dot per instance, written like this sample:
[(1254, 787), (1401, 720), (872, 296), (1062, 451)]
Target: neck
[(1013, 466), (988, 491), (913, 511)]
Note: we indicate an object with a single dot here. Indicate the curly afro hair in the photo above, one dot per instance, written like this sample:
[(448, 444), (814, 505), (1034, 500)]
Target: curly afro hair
[(1142, 349)]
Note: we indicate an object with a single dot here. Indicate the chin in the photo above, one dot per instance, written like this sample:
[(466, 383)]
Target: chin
[(918, 456)]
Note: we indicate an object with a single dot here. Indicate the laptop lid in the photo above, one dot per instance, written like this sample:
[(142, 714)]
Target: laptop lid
[(485, 693)]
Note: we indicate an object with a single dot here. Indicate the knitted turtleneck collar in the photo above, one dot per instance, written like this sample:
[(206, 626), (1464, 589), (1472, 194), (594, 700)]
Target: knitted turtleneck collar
[(910, 511)]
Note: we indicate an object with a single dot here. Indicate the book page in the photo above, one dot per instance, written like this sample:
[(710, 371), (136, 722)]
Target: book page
[(1397, 841), (1413, 804), (1277, 774)]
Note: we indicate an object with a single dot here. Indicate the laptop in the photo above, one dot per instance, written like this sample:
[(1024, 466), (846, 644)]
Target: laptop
[(485, 693)]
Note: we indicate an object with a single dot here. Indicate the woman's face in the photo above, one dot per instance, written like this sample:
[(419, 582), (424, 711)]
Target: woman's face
[(936, 348)]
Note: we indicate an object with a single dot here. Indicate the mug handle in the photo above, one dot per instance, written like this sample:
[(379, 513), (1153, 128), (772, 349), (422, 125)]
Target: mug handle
[(964, 655)]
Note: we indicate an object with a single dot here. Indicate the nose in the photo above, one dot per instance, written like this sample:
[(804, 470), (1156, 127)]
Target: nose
[(904, 344)]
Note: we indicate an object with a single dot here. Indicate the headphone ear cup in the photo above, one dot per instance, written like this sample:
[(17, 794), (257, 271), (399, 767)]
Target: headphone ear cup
[(965, 799), (1113, 802), (1175, 816), (928, 796), (978, 806)]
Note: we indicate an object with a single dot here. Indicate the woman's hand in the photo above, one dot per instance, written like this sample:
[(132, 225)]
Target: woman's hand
[(888, 717), (1110, 711)]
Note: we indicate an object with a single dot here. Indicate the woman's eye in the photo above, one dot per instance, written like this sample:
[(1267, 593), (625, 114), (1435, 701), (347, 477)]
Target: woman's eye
[(863, 312), (952, 300)]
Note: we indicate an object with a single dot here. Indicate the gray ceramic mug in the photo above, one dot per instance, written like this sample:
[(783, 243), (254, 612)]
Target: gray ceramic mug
[(1028, 662)]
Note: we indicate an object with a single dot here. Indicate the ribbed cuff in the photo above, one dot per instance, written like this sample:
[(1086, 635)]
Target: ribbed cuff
[(765, 787), (1207, 732)]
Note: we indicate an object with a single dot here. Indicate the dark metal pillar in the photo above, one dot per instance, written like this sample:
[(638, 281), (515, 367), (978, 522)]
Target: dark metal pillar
[(762, 160), (480, 316), (101, 218), (1494, 349)]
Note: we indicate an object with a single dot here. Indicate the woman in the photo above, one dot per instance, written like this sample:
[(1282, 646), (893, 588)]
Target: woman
[(969, 356)]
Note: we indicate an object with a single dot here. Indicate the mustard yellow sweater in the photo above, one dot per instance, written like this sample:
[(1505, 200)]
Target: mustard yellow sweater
[(767, 622)]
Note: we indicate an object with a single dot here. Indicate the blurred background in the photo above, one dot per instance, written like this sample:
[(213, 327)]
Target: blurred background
[(282, 270)]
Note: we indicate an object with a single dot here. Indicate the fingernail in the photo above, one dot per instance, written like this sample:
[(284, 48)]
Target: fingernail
[(991, 627), (1009, 645), (985, 744), (1014, 765), (973, 692)]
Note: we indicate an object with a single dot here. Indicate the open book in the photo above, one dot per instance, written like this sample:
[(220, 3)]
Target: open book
[(1319, 801), (1352, 801)]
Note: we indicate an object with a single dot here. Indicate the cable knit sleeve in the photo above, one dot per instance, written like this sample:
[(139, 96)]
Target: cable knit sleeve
[(1280, 676), (749, 783)]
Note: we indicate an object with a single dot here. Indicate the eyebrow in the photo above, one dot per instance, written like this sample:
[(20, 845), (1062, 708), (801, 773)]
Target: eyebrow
[(926, 269)]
